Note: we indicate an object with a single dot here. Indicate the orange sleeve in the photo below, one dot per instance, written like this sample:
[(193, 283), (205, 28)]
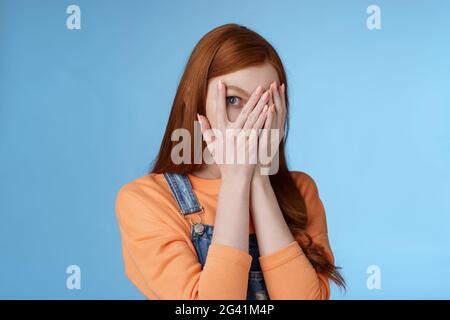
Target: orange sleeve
[(161, 263), (288, 273)]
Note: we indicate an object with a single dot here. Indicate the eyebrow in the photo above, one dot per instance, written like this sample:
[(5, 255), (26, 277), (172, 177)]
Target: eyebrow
[(239, 89)]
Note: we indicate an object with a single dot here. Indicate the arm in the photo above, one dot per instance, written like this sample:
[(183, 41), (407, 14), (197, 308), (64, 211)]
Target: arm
[(287, 271), (162, 262), (231, 226), (232, 218), (272, 232)]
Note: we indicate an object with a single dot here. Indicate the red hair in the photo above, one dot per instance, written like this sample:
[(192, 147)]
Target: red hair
[(223, 50)]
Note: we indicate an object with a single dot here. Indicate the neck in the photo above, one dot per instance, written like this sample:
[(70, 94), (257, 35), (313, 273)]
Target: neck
[(209, 171)]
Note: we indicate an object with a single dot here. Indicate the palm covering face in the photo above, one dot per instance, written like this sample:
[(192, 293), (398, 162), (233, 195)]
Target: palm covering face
[(234, 145)]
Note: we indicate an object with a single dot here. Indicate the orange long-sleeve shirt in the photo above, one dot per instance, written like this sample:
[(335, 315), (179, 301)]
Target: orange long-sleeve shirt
[(161, 260)]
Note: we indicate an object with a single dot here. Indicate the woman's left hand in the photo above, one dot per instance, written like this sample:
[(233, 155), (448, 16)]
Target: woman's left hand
[(270, 138)]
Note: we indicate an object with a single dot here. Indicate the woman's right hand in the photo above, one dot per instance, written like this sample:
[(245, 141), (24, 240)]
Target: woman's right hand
[(241, 135)]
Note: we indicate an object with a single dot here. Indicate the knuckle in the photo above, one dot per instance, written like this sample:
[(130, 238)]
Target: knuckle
[(253, 117), (244, 113)]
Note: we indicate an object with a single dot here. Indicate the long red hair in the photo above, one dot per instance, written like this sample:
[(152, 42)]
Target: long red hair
[(223, 50)]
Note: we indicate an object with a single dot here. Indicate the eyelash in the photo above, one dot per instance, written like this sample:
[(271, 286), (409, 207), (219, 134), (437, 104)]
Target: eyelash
[(229, 103)]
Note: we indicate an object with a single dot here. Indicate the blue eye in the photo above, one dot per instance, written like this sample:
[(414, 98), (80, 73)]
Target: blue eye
[(233, 100)]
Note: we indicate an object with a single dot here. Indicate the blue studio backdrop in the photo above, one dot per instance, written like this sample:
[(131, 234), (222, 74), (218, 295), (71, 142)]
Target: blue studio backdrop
[(83, 109)]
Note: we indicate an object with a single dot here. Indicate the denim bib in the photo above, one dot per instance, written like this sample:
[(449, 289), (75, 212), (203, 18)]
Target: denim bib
[(201, 234)]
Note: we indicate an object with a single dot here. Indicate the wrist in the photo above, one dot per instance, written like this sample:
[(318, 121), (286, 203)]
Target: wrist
[(259, 178), (237, 179)]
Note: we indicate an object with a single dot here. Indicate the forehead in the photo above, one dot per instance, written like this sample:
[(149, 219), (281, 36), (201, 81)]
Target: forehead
[(252, 77)]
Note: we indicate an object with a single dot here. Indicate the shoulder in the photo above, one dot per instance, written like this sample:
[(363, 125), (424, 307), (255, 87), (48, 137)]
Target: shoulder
[(307, 187), (305, 184), (144, 185), (143, 194)]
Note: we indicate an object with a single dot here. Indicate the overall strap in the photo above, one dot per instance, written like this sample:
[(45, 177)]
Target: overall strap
[(182, 191)]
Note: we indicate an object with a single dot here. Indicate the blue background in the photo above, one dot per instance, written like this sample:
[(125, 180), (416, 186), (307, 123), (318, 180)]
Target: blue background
[(83, 111)]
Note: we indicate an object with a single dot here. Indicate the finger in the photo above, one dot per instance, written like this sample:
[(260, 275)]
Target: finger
[(205, 128), (270, 102), (261, 119), (221, 111), (275, 116), (276, 134), (276, 125), (271, 97), (253, 116), (265, 133), (269, 118), (283, 94), (279, 106), (204, 122), (281, 112), (255, 97), (256, 132), (269, 125)]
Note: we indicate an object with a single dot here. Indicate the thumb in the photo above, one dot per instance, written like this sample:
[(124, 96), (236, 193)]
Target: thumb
[(205, 128)]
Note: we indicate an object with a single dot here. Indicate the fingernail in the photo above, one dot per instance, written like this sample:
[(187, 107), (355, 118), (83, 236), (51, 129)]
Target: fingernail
[(219, 84), (265, 108), (282, 87), (265, 95), (258, 90)]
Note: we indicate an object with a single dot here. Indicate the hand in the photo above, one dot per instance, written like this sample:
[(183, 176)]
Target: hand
[(270, 140), (242, 135)]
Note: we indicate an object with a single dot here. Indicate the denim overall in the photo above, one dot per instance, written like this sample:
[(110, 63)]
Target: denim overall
[(201, 234)]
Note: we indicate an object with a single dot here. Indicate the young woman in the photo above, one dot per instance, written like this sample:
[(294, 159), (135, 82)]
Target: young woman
[(221, 230)]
